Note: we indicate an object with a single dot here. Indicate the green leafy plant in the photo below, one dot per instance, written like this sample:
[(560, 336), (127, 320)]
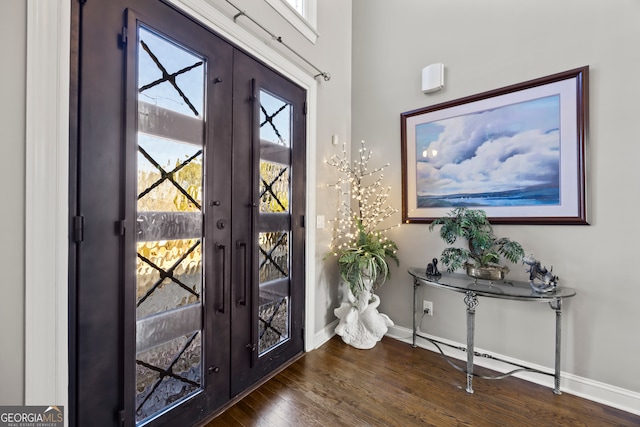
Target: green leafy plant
[(484, 248), (365, 259)]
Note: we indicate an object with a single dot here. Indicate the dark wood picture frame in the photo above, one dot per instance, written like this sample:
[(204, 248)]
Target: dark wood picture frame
[(518, 152)]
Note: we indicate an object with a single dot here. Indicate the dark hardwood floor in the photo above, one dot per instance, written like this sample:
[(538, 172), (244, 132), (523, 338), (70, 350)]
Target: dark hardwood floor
[(397, 385)]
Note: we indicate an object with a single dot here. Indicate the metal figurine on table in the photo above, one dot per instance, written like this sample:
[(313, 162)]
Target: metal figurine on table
[(432, 268), (538, 272)]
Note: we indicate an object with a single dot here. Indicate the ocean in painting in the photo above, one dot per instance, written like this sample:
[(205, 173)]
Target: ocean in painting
[(537, 196)]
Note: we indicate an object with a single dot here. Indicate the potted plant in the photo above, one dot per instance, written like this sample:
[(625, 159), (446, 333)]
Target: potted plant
[(484, 250), (362, 248), (363, 260)]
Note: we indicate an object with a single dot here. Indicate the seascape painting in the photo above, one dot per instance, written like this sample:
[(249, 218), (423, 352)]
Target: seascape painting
[(516, 152), (505, 156)]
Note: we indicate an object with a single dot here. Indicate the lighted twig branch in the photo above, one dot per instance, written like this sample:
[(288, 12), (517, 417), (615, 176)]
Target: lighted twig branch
[(367, 205)]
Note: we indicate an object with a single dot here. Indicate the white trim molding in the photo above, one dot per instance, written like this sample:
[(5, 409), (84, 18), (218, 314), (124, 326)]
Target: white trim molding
[(46, 206), (306, 25), (616, 397), (325, 334)]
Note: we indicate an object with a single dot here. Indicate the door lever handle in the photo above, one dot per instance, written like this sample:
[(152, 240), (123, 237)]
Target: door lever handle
[(222, 248), (243, 298)]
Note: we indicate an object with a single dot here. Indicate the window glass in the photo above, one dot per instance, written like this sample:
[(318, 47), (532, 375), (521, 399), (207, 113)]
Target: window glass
[(300, 13), (297, 5)]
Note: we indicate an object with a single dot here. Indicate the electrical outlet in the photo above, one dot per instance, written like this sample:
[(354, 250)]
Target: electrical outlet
[(427, 307)]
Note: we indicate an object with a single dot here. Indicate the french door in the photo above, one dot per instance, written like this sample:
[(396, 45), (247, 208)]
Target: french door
[(188, 209)]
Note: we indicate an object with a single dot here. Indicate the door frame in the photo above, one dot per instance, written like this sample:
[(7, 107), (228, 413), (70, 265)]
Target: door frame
[(48, 112)]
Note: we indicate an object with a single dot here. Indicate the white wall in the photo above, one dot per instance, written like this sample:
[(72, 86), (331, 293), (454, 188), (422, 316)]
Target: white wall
[(491, 44), (334, 118), (13, 23)]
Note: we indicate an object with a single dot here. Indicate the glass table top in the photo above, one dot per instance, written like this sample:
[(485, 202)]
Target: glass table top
[(506, 289)]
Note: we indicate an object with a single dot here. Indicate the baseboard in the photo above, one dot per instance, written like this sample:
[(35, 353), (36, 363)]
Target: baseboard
[(616, 397), (324, 334)]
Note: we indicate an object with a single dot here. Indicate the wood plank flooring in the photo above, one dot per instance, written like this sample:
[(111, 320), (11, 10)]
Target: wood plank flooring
[(397, 385)]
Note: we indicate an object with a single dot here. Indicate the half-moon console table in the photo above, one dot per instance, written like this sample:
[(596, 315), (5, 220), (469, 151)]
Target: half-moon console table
[(504, 289)]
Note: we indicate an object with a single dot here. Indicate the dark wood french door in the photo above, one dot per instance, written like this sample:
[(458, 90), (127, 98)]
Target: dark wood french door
[(188, 206)]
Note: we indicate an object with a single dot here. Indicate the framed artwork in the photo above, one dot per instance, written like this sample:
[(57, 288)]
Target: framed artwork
[(518, 153)]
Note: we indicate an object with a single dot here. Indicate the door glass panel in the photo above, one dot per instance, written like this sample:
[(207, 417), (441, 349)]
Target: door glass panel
[(274, 243), (273, 322), (169, 264), (275, 119), (274, 187), (169, 275), (273, 311), (169, 75), (167, 373), (274, 256), (169, 175)]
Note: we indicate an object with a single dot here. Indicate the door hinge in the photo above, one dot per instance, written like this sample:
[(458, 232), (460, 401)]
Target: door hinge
[(302, 221), (121, 227), (124, 37), (304, 108), (122, 418), (78, 229)]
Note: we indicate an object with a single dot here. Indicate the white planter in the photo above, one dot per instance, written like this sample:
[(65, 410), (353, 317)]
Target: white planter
[(361, 325)]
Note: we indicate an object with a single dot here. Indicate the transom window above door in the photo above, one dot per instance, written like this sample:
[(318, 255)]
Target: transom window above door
[(298, 5), (301, 14)]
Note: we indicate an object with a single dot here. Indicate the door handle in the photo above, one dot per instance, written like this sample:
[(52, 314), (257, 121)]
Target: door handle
[(222, 248), (243, 298)]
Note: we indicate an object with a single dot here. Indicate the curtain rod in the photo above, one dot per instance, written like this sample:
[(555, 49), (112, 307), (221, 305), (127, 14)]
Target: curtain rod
[(326, 76)]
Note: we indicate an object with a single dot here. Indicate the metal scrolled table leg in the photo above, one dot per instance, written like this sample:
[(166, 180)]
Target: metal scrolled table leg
[(558, 309), (415, 288), (471, 299)]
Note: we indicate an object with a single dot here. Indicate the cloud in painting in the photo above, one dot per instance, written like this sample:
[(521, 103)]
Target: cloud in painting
[(508, 148)]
